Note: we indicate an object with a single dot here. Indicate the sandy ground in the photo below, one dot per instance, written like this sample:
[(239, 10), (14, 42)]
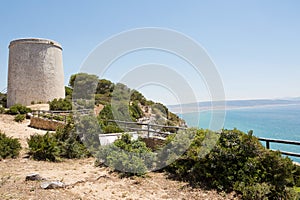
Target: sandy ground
[(39, 107), (83, 180)]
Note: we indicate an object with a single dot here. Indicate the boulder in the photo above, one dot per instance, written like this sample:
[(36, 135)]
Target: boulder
[(33, 177), (52, 185)]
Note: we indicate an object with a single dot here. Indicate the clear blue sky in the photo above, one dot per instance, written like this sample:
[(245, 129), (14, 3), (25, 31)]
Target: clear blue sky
[(254, 44)]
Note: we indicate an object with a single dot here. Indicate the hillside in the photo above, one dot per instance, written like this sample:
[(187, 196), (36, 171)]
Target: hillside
[(117, 102), (84, 180)]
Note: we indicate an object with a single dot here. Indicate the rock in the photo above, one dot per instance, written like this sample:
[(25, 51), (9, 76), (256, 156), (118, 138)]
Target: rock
[(29, 115), (52, 185), (33, 177)]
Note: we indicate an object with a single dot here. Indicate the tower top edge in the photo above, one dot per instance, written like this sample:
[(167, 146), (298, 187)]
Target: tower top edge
[(35, 41)]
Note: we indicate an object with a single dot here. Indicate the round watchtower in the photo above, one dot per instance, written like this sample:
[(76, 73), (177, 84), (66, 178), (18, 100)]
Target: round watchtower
[(35, 71)]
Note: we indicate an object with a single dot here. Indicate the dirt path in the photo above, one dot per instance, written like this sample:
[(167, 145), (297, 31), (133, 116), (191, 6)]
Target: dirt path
[(84, 180)]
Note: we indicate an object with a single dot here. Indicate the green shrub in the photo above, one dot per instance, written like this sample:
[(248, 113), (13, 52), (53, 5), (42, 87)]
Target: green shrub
[(126, 155), (18, 109), (135, 111), (19, 117), (64, 143), (2, 110), (43, 147), (88, 130), (237, 162), (158, 107), (70, 143), (137, 96), (103, 118), (58, 117), (112, 128), (3, 100), (68, 92), (60, 104), (104, 87), (9, 147)]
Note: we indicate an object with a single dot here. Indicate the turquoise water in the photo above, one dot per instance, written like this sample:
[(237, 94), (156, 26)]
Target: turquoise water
[(277, 122)]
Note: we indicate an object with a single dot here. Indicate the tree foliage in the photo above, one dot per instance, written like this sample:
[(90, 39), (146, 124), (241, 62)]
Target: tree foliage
[(237, 162), (68, 92), (131, 157), (83, 85), (104, 86)]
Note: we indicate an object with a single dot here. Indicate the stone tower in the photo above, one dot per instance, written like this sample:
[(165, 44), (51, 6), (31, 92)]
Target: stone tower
[(35, 71)]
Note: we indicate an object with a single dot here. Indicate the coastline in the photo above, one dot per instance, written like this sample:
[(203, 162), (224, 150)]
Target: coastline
[(199, 109)]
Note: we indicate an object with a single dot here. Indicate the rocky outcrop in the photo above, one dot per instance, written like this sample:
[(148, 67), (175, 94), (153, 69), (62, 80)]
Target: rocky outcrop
[(45, 124)]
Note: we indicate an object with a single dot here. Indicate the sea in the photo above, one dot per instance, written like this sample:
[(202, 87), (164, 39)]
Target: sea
[(276, 122)]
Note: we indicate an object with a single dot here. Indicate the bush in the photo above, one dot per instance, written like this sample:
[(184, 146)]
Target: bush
[(60, 104), (43, 147), (64, 143), (104, 87), (18, 109), (3, 100), (69, 143), (88, 130), (135, 111), (237, 162), (68, 92), (158, 107), (126, 155), (137, 96), (19, 117), (103, 118), (9, 147), (112, 128), (2, 110)]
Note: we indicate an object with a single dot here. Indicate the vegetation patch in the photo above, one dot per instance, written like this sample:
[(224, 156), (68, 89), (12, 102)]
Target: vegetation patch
[(131, 157), (18, 109), (64, 143), (60, 104), (237, 162), (3, 100), (119, 101), (9, 147), (2, 110), (19, 117)]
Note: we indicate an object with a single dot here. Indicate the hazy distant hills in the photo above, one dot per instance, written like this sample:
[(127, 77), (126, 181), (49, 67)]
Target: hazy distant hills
[(232, 104)]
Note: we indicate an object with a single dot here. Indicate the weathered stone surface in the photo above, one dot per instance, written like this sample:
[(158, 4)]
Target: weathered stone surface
[(33, 177), (45, 124), (35, 72), (52, 185)]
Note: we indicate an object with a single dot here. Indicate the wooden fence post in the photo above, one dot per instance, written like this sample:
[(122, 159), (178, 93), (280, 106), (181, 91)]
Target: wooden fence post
[(268, 144)]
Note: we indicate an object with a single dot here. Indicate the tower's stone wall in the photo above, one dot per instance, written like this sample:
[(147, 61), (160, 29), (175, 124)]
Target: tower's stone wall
[(35, 71)]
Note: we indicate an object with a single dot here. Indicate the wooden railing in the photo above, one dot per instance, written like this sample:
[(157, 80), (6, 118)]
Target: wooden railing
[(63, 114), (150, 128), (268, 141)]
